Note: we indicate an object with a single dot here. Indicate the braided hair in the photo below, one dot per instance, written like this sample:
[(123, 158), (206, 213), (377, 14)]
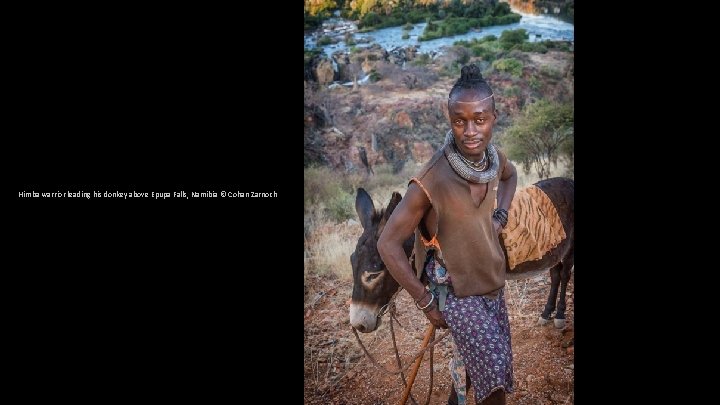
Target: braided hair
[(471, 79)]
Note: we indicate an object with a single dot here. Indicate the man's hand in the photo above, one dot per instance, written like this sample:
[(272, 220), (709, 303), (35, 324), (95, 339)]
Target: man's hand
[(436, 317)]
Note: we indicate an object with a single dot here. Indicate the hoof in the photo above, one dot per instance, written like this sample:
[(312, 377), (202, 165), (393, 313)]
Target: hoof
[(542, 321), (559, 323)]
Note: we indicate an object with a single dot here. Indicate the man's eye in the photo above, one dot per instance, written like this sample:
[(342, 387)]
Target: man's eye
[(458, 122), (480, 120)]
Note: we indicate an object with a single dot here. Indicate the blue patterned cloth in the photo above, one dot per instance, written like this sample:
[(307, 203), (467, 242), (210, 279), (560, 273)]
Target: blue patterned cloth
[(481, 330)]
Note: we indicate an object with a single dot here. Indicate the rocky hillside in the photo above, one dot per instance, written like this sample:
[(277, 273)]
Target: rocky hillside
[(393, 104)]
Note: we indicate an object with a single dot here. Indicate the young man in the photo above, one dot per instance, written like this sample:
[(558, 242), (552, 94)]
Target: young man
[(450, 205)]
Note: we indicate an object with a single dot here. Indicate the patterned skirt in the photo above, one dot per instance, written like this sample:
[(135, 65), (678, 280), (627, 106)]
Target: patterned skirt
[(481, 332)]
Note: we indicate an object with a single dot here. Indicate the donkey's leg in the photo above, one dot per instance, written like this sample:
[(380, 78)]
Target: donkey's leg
[(552, 297), (564, 278)]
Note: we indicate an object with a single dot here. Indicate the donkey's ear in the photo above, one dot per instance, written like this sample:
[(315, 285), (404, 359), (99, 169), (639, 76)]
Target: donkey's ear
[(394, 201), (364, 207)]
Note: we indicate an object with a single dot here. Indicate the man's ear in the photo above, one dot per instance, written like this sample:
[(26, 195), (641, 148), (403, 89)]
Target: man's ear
[(495, 113)]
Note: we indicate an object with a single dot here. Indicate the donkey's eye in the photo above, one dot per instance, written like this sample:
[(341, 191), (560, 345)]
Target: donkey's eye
[(372, 276)]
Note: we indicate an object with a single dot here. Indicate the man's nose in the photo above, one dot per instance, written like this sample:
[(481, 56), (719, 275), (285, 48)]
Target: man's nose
[(471, 129)]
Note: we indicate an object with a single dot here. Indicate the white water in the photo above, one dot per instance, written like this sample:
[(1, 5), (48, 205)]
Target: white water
[(539, 27)]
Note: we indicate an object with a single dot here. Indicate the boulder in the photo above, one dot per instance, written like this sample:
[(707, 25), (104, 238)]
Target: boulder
[(324, 72)]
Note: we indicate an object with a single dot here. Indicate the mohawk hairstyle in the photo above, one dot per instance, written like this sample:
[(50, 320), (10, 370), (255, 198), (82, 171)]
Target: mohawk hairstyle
[(471, 79)]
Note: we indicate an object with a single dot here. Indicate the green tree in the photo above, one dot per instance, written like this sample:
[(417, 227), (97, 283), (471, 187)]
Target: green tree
[(501, 9), (543, 132)]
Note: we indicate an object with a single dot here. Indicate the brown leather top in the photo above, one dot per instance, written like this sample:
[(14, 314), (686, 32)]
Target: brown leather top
[(470, 247)]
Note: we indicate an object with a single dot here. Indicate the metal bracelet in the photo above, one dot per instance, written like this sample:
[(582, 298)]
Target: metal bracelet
[(432, 298), (433, 306)]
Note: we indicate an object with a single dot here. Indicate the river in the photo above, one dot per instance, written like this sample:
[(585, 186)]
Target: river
[(539, 26)]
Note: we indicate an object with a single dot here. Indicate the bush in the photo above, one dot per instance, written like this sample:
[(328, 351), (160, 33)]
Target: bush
[(421, 60), (534, 83), (415, 16), (324, 40), (532, 47), (501, 9), (452, 70), (341, 206), (312, 22), (510, 38), (511, 18), (323, 188), (369, 20), (487, 47), (476, 10), (512, 91), (563, 46), (484, 52), (311, 53), (551, 72), (509, 65), (349, 14)]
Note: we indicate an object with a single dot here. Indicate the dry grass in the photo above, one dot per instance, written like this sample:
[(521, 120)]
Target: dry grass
[(527, 179), (330, 237), (328, 248)]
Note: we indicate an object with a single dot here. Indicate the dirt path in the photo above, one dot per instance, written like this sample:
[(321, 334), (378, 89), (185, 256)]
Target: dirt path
[(337, 372)]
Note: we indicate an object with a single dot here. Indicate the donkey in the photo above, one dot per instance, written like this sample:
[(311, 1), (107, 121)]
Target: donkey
[(373, 286)]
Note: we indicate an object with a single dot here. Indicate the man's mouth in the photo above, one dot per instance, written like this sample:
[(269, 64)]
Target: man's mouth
[(472, 144)]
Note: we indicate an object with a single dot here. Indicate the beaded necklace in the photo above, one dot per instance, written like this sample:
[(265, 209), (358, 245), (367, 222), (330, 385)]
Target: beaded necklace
[(465, 168)]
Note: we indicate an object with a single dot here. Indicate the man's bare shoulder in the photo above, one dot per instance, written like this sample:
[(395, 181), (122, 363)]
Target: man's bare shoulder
[(416, 198)]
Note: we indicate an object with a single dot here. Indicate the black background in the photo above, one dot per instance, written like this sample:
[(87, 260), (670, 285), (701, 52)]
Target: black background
[(179, 298), (147, 298)]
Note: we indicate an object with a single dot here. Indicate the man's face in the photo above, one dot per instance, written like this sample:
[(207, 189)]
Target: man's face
[(472, 122)]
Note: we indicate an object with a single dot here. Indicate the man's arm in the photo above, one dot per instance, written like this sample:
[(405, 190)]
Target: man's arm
[(506, 189), (400, 226), (507, 185)]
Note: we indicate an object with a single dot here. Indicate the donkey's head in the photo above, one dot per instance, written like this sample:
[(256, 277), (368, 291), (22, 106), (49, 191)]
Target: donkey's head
[(373, 286)]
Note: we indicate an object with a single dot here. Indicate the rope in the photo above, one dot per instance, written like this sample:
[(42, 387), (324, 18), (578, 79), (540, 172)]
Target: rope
[(396, 372), (397, 352), (390, 307)]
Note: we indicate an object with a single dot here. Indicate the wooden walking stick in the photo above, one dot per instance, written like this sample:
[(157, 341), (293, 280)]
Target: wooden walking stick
[(429, 332)]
